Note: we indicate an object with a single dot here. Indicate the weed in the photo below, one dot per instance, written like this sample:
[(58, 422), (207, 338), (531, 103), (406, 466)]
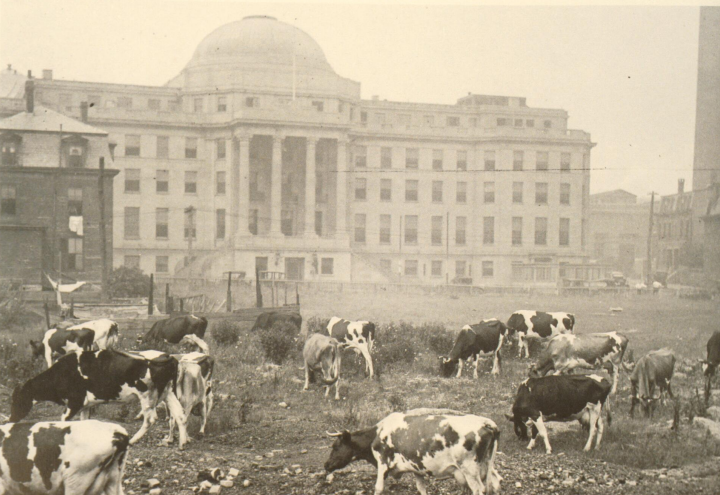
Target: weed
[(226, 332), (278, 341)]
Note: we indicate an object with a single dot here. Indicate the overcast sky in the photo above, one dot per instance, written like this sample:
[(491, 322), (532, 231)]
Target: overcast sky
[(627, 75)]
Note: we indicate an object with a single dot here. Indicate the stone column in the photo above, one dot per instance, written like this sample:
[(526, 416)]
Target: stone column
[(243, 197), (311, 143), (276, 187), (341, 190), (232, 160)]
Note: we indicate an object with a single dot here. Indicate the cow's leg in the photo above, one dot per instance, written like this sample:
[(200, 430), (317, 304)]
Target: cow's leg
[(171, 431), (148, 419), (614, 370), (520, 344), (542, 431), (669, 390), (477, 362), (203, 414), (327, 390), (471, 471), (48, 355), (496, 357), (307, 377), (421, 484), (368, 360), (593, 410), (337, 389), (210, 401), (600, 428), (175, 410), (633, 402), (380, 481), (460, 367), (533, 433)]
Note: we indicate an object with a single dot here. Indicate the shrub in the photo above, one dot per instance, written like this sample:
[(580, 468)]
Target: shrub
[(315, 324), (278, 342), (226, 332), (12, 311), (128, 282), (17, 364)]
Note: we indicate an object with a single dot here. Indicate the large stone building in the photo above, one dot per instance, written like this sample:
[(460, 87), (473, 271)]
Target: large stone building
[(50, 203), (258, 153), (618, 231)]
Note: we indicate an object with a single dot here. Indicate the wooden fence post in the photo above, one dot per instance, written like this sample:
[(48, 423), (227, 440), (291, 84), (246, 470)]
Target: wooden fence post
[(182, 302), (150, 296), (228, 304), (168, 309), (258, 289), (47, 312)]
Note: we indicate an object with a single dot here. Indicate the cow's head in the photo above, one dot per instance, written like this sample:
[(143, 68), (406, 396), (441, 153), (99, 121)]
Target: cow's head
[(447, 366), (38, 348), (22, 402), (518, 425), (349, 447)]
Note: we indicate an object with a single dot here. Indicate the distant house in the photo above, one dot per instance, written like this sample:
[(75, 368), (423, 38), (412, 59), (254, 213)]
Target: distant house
[(49, 196), (618, 227)]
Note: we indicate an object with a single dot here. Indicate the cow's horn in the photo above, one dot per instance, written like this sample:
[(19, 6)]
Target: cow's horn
[(336, 434)]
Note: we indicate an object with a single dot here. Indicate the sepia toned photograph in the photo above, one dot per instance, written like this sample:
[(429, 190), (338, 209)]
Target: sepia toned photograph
[(351, 248)]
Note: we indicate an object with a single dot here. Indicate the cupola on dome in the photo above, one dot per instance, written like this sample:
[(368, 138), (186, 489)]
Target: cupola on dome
[(259, 41)]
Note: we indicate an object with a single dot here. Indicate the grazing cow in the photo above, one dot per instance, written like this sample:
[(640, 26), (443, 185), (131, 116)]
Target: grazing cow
[(57, 342), (174, 329), (194, 383), (106, 332), (560, 398), (267, 320), (56, 458), (709, 365), (538, 325), (356, 335), (483, 339), (322, 355), (567, 352), (83, 379), (425, 443), (655, 369)]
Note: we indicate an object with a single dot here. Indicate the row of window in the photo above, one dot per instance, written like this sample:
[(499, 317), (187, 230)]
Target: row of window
[(162, 263), (409, 226), (410, 268), (681, 229), (133, 147), (162, 181), (131, 227), (382, 118), (412, 159), (437, 191), (8, 200)]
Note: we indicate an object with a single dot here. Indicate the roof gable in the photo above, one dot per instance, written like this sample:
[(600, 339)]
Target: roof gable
[(46, 120)]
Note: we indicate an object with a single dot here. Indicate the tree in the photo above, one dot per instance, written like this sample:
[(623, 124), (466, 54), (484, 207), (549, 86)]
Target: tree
[(128, 282)]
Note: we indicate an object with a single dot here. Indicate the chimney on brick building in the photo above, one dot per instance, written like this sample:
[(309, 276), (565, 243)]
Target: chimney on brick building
[(47, 74), (681, 186), (84, 111), (30, 95)]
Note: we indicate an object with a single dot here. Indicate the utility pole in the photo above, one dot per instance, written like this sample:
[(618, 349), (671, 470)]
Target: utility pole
[(400, 236), (447, 249), (649, 240), (190, 212), (103, 238)]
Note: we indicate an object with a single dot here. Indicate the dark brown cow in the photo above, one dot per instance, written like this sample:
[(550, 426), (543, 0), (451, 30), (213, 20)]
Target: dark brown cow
[(710, 364), (271, 318), (174, 329)]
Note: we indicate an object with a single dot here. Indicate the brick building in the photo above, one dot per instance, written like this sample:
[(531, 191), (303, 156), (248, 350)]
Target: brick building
[(259, 154), (49, 196), (618, 231)]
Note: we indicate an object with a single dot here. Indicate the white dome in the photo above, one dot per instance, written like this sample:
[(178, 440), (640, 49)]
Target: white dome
[(259, 41)]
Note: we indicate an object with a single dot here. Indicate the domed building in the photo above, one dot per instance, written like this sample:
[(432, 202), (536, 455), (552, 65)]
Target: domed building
[(258, 154)]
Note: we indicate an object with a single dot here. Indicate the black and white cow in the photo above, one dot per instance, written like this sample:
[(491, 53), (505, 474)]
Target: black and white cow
[(560, 398), (83, 379), (321, 355), (265, 321), (356, 335), (652, 372), (538, 325), (174, 329), (57, 342), (567, 352), (425, 443), (66, 337), (55, 458), (709, 365), (482, 339)]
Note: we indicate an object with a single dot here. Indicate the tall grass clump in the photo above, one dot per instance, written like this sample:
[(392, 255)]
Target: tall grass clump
[(315, 324), (278, 342), (226, 332)]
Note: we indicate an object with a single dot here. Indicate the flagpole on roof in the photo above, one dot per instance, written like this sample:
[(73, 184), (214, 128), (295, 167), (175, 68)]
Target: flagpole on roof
[(293, 77)]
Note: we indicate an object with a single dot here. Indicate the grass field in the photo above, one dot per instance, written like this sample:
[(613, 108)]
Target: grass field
[(251, 431)]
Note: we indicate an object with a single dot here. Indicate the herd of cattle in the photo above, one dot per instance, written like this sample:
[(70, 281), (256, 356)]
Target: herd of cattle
[(84, 370)]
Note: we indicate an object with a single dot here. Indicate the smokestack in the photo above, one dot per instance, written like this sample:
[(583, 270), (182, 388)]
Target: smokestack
[(30, 95), (84, 111), (681, 186), (29, 74), (47, 74)]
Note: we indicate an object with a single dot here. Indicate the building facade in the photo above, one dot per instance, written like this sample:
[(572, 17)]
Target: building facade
[(259, 154), (50, 206), (619, 231)]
